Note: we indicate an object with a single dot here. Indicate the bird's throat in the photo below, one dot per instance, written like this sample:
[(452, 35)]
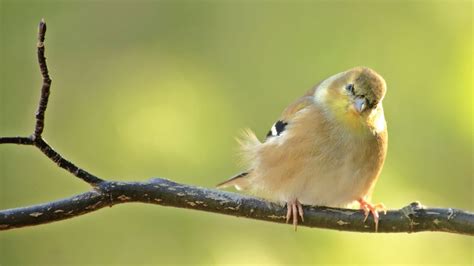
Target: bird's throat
[(349, 118)]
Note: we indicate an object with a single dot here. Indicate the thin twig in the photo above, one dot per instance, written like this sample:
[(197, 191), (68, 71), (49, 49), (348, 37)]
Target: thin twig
[(413, 218), (66, 164), (45, 88), (36, 138), (16, 140)]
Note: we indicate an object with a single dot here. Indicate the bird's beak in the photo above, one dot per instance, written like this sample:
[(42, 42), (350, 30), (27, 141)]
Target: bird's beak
[(360, 104)]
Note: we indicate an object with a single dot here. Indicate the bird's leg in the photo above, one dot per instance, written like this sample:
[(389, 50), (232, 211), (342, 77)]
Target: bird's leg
[(368, 208), (294, 209)]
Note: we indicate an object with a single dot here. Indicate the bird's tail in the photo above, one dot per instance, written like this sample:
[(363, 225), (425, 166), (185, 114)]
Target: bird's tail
[(240, 182)]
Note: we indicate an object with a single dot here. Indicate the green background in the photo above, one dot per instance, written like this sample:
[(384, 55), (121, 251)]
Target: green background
[(161, 88)]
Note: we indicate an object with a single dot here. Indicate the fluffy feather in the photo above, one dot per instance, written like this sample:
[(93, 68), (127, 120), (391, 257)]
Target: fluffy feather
[(328, 154)]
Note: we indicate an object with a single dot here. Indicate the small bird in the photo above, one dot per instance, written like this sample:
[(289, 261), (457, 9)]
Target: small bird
[(327, 148)]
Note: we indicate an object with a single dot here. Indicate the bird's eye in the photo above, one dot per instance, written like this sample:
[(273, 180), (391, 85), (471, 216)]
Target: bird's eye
[(350, 88)]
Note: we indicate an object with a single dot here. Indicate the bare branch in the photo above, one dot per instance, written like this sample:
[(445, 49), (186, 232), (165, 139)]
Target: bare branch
[(413, 218), (45, 88), (16, 140), (65, 164), (36, 138)]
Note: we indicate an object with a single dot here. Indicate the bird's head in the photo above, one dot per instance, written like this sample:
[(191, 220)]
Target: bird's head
[(353, 96)]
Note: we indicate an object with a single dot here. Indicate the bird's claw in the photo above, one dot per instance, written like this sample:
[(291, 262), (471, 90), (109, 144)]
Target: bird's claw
[(294, 209), (373, 209)]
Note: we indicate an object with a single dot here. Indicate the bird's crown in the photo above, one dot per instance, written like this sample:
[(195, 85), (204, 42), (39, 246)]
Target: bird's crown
[(368, 84)]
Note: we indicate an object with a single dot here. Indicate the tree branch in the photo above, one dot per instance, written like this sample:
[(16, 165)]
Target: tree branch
[(16, 140), (43, 104), (412, 218), (36, 138)]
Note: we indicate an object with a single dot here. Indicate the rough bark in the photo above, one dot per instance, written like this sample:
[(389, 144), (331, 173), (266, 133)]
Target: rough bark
[(412, 218)]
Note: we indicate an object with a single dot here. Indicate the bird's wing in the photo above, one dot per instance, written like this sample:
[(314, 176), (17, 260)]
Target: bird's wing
[(280, 125), (249, 143)]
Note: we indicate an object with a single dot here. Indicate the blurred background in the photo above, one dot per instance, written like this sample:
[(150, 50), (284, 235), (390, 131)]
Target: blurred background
[(161, 88)]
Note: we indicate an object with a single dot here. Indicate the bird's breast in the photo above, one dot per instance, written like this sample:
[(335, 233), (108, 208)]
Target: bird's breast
[(319, 163)]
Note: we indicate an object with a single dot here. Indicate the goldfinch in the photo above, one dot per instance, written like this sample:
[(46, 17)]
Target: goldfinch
[(327, 148)]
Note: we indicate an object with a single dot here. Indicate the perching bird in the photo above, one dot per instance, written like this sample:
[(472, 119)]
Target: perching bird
[(327, 148)]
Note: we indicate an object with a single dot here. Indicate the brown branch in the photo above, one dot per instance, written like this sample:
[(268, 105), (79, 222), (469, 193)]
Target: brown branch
[(36, 138), (413, 218), (16, 140), (45, 88)]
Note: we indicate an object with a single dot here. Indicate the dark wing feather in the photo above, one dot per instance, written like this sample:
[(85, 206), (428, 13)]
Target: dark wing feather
[(277, 129), (233, 181)]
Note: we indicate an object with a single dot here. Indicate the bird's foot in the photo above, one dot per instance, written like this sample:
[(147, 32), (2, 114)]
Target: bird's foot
[(294, 209), (368, 208)]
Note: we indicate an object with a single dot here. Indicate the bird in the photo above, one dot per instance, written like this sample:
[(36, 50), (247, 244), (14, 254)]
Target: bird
[(327, 148)]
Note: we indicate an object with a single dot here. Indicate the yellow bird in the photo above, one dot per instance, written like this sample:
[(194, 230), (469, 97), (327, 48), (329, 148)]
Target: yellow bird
[(327, 148)]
